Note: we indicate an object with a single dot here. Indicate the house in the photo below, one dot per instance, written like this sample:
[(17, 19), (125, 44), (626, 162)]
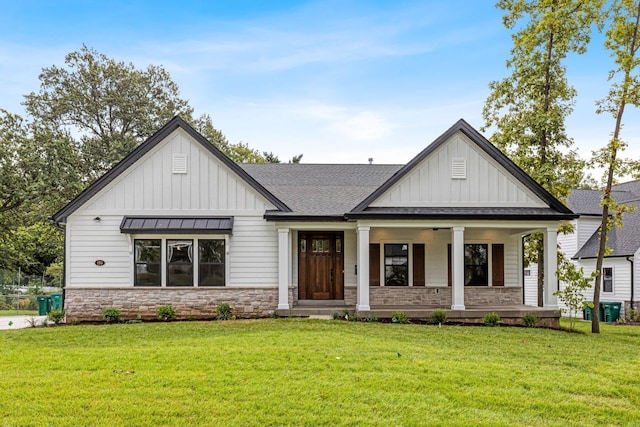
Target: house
[(177, 222), (621, 266)]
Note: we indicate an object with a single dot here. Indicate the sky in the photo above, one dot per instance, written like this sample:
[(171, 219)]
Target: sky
[(336, 81)]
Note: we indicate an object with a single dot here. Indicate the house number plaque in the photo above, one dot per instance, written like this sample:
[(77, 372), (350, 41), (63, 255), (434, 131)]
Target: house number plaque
[(99, 262)]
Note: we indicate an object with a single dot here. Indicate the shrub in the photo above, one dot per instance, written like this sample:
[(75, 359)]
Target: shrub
[(399, 317), (275, 314), (530, 320), (439, 316), (633, 315), (166, 313), (56, 316), (491, 319), (111, 315), (335, 315), (224, 312)]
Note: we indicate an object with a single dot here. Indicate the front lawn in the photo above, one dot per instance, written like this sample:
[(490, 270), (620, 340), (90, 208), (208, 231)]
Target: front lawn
[(315, 372)]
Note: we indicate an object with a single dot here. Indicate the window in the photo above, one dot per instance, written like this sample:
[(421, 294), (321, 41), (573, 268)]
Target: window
[(147, 262), (476, 265), (179, 262), (183, 265), (211, 259), (320, 246), (396, 264), (607, 279)]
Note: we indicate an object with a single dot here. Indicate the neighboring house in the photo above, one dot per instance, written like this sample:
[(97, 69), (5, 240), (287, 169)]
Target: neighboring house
[(620, 268), (177, 222)]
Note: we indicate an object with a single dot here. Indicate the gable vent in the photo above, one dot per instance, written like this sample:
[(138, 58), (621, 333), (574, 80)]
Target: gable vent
[(459, 169), (179, 163)]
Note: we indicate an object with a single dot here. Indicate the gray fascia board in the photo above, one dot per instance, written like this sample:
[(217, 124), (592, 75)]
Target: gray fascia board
[(146, 146), (475, 136)]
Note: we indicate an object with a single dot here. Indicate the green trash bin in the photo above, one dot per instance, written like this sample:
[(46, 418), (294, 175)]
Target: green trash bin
[(44, 305), (56, 302), (611, 311), (587, 313)]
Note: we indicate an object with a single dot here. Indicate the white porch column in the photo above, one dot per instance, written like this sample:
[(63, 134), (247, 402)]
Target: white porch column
[(550, 267), (457, 268), (284, 258), (362, 298)]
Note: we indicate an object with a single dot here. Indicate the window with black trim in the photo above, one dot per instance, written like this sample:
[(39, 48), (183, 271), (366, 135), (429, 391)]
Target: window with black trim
[(211, 261), (476, 264), (147, 262), (179, 262), (607, 279), (396, 264)]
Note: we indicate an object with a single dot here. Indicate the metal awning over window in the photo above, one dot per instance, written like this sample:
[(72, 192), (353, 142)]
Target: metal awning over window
[(175, 225)]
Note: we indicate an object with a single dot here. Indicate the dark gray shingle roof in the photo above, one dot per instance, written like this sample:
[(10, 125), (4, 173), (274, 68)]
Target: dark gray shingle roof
[(623, 241), (320, 189)]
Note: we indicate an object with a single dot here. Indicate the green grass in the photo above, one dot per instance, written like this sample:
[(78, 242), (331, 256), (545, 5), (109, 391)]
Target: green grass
[(314, 372), (18, 313)]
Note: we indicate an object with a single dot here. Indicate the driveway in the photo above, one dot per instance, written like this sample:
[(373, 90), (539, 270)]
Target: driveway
[(19, 322)]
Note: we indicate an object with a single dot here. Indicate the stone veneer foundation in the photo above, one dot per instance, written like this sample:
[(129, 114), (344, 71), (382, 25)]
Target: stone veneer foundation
[(441, 296), (86, 304)]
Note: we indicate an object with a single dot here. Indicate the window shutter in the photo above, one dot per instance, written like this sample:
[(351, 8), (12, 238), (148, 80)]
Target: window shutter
[(497, 264), (449, 264), (374, 264), (418, 264)]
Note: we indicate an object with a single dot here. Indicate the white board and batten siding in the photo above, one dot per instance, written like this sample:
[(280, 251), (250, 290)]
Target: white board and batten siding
[(151, 188), (438, 181)]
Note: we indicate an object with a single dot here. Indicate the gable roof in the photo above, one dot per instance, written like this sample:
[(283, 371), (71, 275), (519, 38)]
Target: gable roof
[(145, 147), (487, 147), (623, 241)]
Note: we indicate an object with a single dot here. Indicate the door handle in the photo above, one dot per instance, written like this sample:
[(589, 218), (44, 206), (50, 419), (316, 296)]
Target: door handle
[(331, 275)]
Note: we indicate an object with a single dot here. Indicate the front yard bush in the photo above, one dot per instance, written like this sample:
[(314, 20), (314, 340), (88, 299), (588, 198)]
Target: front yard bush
[(111, 315), (166, 313), (224, 312), (439, 316), (399, 317), (491, 319), (56, 316)]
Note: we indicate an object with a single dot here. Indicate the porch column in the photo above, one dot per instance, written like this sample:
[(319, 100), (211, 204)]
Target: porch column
[(362, 298), (457, 268), (284, 261), (550, 267)]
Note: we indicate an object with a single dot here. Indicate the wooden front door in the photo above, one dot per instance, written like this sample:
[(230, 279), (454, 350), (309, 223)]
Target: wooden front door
[(320, 265)]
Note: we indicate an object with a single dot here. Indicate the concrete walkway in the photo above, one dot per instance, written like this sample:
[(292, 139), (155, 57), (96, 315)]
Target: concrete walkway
[(19, 322)]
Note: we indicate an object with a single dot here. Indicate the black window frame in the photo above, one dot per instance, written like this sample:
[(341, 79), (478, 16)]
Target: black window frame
[(202, 263), (390, 258), (140, 262), (606, 279), (179, 265), (475, 271)]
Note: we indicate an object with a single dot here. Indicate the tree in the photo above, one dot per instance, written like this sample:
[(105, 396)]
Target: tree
[(38, 171), (623, 40), (572, 294), (110, 105), (239, 153), (528, 108)]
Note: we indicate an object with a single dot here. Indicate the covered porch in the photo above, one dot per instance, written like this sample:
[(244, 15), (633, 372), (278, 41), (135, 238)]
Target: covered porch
[(469, 268)]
